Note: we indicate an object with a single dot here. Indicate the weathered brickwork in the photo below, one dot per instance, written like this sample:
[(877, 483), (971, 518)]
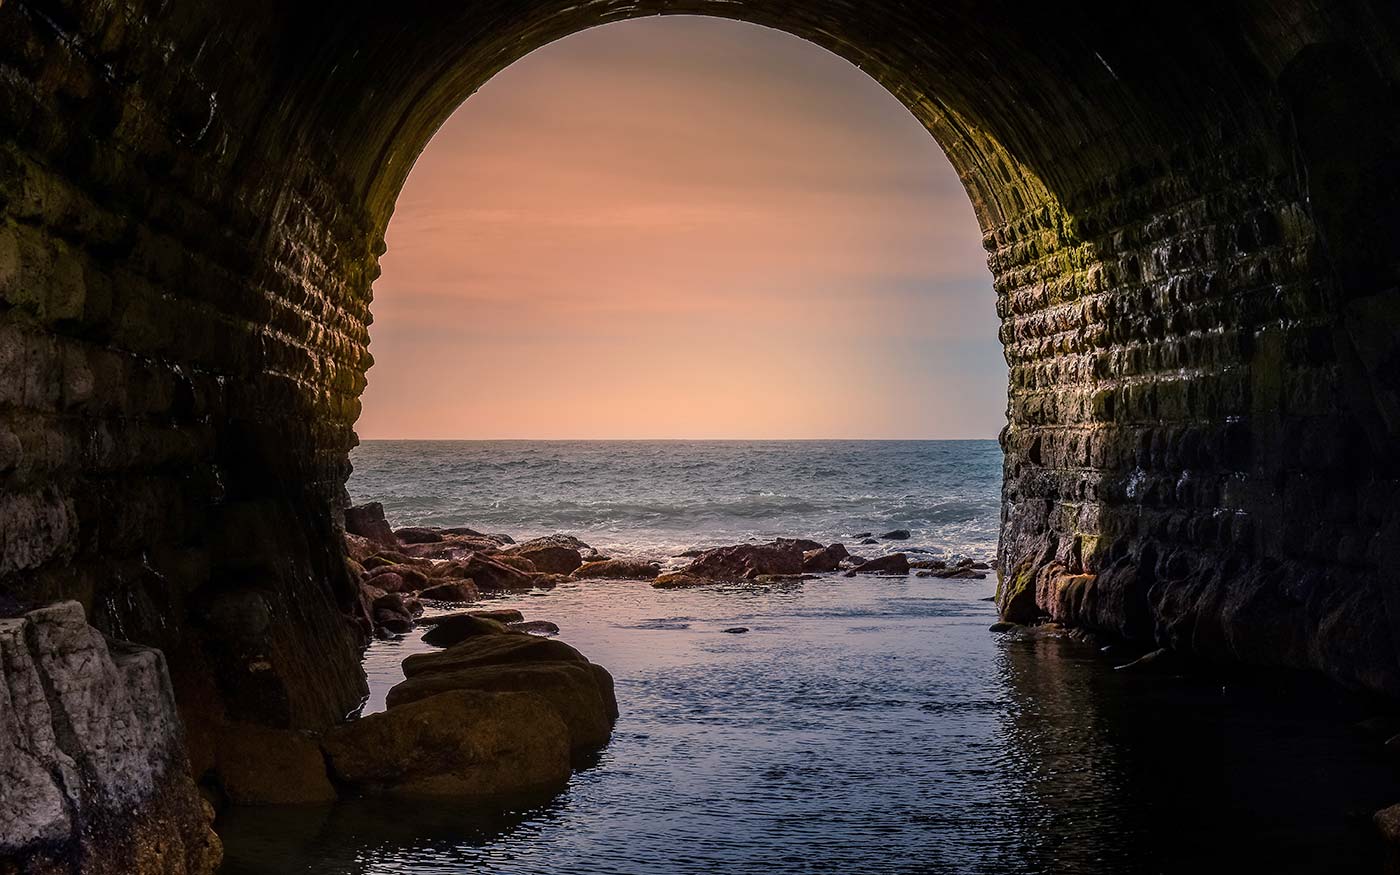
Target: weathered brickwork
[(1189, 213)]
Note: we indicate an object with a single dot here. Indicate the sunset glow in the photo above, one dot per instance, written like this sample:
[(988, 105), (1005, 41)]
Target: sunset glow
[(685, 228)]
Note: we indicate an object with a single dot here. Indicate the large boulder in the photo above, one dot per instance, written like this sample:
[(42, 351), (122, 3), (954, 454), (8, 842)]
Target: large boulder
[(460, 742), (548, 555), (504, 648), (489, 574), (746, 561), (824, 558), (617, 569), (367, 521), (571, 688), (895, 563)]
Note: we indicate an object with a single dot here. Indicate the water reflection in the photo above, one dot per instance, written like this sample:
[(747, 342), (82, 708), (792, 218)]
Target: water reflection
[(875, 726)]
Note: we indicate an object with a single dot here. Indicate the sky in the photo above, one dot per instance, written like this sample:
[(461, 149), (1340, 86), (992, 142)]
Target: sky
[(683, 228)]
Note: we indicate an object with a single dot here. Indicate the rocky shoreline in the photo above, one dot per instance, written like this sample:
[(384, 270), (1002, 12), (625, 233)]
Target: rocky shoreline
[(401, 569)]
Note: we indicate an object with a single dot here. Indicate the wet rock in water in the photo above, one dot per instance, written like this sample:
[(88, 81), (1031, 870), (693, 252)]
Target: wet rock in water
[(367, 521), (979, 566), (544, 580), (507, 648), (692, 552), (451, 629), (489, 574), (680, 580), (1003, 626), (746, 561), (867, 541), (451, 591), (896, 535), (383, 558), (457, 743), (536, 627), (453, 547), (418, 535), (519, 563), (736, 630), (500, 615), (572, 688), (802, 544), (387, 580), (853, 561), (414, 607), (392, 622), (259, 765), (461, 530), (549, 556), (955, 573), (862, 535), (895, 563), (928, 563), (501, 539), (618, 569), (782, 578), (824, 558)]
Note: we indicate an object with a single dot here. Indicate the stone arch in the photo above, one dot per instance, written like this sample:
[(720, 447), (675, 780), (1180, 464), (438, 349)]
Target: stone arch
[(194, 198)]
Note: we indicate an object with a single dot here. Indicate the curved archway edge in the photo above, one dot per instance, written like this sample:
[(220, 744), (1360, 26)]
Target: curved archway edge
[(1189, 214)]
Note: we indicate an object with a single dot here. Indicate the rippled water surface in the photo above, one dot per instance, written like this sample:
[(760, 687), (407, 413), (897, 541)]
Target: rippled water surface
[(862, 725)]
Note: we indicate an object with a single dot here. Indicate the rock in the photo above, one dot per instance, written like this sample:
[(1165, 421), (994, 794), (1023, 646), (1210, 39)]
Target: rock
[(746, 561), (866, 541), (895, 563), (418, 535), (500, 615), (1003, 626), (896, 535), (862, 535), (824, 558), (411, 579), (802, 544), (979, 566), (386, 580), (490, 574), (367, 521), (454, 547), (928, 564), (457, 743), (692, 553), (504, 649), (1387, 822), (114, 789), (617, 569), (451, 591), (359, 548), (259, 765), (571, 688), (414, 607), (782, 578), (541, 580), (536, 627), (519, 563), (501, 539), (680, 580), (461, 530), (735, 630), (392, 622), (961, 573), (452, 629), (549, 557)]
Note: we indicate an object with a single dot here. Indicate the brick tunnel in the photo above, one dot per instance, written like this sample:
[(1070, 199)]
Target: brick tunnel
[(1190, 211)]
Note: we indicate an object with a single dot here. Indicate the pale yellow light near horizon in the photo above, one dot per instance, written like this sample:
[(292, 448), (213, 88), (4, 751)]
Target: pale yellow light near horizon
[(683, 228)]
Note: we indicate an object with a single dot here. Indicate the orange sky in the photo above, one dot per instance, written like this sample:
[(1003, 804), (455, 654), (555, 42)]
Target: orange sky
[(683, 228)]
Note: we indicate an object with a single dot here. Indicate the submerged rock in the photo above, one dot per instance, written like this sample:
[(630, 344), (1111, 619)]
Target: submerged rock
[(460, 742), (618, 569), (536, 627), (896, 535), (735, 630), (500, 615)]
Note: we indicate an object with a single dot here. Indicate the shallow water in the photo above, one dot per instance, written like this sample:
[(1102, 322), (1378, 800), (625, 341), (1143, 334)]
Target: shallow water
[(871, 725)]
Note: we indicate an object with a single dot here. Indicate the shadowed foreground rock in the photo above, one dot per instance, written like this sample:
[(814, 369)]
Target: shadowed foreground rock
[(93, 774), (462, 742)]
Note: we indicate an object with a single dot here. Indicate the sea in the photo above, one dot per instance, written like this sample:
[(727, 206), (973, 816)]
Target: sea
[(862, 724)]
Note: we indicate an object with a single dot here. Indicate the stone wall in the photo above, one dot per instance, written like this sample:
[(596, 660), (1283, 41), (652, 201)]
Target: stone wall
[(1189, 213)]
